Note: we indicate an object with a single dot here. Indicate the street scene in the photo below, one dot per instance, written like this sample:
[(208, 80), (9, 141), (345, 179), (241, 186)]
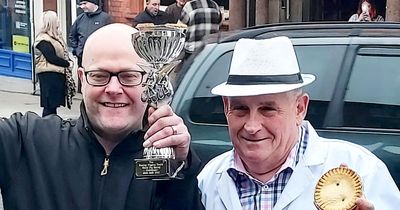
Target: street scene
[(16, 95), (199, 104)]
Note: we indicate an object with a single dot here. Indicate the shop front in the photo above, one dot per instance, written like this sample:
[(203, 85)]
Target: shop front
[(15, 38)]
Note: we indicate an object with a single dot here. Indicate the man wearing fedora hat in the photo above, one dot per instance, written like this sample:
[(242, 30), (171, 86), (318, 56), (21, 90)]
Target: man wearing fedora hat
[(277, 157)]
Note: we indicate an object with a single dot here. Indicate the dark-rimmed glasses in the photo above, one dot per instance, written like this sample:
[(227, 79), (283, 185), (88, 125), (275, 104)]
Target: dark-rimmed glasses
[(125, 78)]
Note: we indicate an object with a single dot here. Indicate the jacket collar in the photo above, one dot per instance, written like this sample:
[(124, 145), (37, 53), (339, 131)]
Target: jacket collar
[(90, 14), (315, 153), (303, 174), (130, 144)]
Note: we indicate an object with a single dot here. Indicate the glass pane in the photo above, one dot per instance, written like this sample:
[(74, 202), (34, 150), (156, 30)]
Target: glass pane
[(318, 60), (206, 107), (372, 99)]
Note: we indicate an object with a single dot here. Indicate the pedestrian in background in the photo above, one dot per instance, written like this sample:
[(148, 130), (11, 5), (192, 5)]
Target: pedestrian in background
[(152, 14), (202, 17), (366, 12), (85, 24), (52, 65), (175, 10)]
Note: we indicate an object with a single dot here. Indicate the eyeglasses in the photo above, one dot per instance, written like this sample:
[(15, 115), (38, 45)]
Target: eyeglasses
[(126, 78)]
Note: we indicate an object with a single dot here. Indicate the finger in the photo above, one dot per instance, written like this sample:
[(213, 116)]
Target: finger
[(155, 114), (161, 125), (176, 137), (170, 141), (363, 204), (163, 133), (179, 142), (151, 110)]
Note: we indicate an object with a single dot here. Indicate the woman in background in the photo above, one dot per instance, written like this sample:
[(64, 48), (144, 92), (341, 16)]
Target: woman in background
[(51, 62), (366, 12)]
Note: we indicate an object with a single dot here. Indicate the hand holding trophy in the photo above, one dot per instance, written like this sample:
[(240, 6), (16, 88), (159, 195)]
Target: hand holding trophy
[(158, 45)]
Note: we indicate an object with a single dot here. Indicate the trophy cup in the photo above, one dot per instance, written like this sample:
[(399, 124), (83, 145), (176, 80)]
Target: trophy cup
[(158, 45)]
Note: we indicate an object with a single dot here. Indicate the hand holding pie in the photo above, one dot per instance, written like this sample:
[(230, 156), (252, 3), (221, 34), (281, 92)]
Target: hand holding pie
[(338, 189)]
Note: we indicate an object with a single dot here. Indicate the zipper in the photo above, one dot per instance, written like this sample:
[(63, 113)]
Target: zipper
[(106, 164), (103, 174)]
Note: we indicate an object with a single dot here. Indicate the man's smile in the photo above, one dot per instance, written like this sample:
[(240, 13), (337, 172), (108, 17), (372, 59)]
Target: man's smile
[(114, 105)]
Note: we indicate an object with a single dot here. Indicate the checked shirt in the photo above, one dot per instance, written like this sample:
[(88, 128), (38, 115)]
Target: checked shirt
[(202, 17)]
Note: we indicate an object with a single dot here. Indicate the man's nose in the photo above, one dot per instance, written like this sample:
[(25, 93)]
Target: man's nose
[(114, 86), (254, 123)]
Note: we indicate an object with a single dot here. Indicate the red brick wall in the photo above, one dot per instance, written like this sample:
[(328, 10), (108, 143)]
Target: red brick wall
[(123, 11), (50, 5)]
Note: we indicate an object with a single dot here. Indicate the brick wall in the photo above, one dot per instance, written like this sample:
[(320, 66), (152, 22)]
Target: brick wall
[(123, 11)]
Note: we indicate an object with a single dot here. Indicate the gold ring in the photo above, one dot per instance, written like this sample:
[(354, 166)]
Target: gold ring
[(174, 132)]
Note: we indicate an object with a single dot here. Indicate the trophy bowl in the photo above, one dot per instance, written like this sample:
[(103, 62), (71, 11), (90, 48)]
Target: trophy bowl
[(159, 46)]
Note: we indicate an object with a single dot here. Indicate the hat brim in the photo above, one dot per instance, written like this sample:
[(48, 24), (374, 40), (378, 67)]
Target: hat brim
[(253, 90)]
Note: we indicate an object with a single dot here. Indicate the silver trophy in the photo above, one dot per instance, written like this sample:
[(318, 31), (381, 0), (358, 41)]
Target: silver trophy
[(159, 46)]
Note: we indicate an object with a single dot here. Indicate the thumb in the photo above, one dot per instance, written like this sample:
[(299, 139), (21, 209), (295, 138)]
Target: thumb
[(363, 204)]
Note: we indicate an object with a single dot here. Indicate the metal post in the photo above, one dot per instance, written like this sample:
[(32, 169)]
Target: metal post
[(393, 10), (251, 13), (32, 22)]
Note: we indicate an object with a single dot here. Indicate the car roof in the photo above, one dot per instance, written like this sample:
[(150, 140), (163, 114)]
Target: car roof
[(309, 29)]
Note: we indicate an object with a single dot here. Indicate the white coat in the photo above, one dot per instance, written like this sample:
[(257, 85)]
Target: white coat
[(219, 191)]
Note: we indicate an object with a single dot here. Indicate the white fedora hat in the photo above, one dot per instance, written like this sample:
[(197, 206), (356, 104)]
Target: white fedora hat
[(263, 67)]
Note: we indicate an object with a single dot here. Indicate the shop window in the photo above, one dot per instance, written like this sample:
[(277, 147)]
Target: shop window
[(15, 27)]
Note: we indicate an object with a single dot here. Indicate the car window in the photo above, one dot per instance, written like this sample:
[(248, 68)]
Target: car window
[(372, 98), (317, 60), (206, 107)]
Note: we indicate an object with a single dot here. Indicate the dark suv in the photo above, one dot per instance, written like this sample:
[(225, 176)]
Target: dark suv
[(355, 97)]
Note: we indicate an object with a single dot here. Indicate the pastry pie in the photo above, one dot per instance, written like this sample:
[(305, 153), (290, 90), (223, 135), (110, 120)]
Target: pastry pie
[(151, 26), (141, 26), (178, 25), (338, 189)]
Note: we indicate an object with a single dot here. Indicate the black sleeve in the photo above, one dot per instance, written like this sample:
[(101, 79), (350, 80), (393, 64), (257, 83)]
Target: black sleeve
[(73, 35), (181, 194), (49, 53)]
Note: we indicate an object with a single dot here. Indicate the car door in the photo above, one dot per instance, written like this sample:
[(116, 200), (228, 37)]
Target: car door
[(366, 108)]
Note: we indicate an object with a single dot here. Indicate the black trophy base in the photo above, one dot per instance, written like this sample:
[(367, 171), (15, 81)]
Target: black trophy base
[(158, 169)]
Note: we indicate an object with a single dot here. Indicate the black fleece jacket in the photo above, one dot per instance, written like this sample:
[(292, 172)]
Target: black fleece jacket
[(84, 25), (49, 163)]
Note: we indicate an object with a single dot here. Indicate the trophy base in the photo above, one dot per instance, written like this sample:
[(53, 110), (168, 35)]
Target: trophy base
[(158, 169)]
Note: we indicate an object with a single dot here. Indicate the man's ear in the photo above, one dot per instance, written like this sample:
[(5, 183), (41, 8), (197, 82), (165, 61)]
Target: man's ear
[(301, 107), (226, 104), (80, 72)]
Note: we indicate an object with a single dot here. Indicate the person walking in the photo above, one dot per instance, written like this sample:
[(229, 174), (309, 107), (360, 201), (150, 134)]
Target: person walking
[(202, 17), (152, 14), (175, 10), (52, 64), (85, 24)]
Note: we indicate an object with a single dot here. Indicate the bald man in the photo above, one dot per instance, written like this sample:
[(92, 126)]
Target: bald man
[(50, 163)]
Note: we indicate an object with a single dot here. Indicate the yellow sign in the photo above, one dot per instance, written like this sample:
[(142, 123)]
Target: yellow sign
[(20, 43)]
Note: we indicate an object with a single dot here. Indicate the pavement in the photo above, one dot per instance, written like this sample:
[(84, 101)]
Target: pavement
[(17, 95)]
